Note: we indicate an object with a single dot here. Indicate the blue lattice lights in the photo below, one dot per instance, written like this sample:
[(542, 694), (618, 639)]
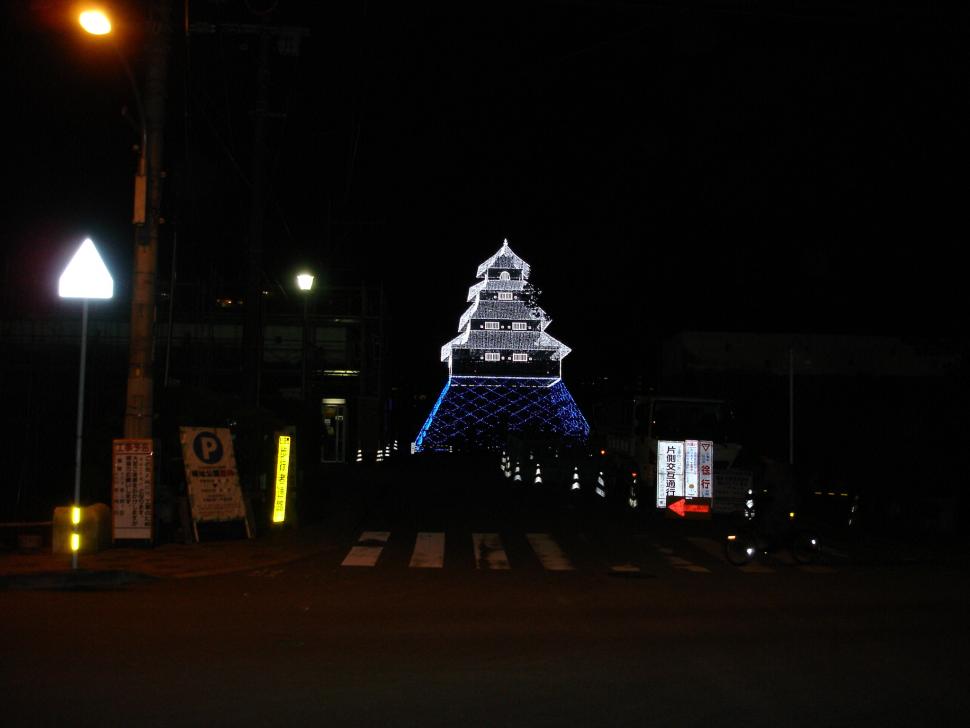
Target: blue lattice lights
[(505, 371)]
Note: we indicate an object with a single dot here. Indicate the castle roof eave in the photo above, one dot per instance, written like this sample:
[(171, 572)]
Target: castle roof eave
[(504, 251)]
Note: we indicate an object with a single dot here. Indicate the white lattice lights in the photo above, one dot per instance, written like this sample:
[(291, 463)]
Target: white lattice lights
[(505, 371), (503, 332)]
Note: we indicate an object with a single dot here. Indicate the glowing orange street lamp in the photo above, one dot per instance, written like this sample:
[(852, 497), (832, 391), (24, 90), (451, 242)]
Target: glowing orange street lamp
[(95, 22)]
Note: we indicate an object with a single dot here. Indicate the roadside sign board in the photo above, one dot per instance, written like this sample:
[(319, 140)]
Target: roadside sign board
[(211, 476), (284, 443), (670, 470), (705, 465), (685, 478), (731, 491), (690, 468), (132, 489)]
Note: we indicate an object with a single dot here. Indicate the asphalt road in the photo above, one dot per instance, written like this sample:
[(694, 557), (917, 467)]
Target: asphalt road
[(596, 621)]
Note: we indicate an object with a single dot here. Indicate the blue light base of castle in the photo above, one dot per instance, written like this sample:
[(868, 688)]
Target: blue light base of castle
[(480, 413)]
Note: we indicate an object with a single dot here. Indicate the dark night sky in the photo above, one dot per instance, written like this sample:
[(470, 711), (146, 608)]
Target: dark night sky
[(719, 164)]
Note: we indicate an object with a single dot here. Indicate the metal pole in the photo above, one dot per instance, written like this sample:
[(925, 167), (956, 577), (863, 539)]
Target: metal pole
[(80, 417), (791, 405), (306, 344), (171, 310)]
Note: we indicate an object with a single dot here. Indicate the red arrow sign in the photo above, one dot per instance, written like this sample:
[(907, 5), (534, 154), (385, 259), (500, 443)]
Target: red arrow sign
[(682, 507)]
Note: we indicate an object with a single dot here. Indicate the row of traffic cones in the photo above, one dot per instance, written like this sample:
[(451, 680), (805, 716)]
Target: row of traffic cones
[(516, 476), (383, 453)]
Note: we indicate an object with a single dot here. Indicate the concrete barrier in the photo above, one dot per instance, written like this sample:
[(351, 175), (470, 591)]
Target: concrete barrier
[(94, 528)]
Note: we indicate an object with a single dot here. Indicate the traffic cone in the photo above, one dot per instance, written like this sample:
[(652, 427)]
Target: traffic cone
[(395, 446), (518, 474), (380, 455), (575, 485), (600, 485), (504, 460), (538, 479), (507, 470), (360, 455), (387, 451)]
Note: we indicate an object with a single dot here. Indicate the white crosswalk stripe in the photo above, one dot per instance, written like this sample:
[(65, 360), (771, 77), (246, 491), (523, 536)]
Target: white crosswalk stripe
[(549, 553), (679, 562), (429, 551), (489, 553), (368, 549)]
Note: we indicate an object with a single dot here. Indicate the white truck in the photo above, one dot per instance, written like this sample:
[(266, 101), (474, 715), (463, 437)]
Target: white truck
[(628, 428)]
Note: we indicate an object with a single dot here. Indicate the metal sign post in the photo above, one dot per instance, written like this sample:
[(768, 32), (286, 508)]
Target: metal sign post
[(85, 277)]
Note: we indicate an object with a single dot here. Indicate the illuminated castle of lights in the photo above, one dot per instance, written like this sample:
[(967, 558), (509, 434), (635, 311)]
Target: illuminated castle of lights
[(504, 370)]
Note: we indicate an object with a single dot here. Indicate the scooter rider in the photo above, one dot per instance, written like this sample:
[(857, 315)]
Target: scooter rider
[(780, 504)]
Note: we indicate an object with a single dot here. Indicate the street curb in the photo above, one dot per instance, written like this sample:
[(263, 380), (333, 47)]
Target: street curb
[(73, 580)]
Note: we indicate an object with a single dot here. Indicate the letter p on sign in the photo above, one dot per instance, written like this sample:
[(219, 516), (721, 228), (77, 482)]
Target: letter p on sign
[(207, 447)]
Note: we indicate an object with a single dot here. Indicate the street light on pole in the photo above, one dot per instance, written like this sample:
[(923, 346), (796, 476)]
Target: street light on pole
[(139, 404), (305, 283), (85, 277)]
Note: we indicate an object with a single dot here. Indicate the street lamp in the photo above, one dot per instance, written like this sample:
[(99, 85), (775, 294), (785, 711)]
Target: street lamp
[(85, 277), (139, 403), (305, 283), (95, 22)]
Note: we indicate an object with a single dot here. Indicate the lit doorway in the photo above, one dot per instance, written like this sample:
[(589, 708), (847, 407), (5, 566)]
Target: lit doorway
[(333, 447)]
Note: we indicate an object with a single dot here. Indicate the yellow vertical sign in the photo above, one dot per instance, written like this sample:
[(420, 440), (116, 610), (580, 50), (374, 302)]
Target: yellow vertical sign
[(282, 475)]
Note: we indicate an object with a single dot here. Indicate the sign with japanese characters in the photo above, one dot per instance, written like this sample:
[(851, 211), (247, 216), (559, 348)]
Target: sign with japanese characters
[(685, 474), (690, 468), (132, 488), (731, 491), (282, 477), (705, 466), (670, 470), (211, 474)]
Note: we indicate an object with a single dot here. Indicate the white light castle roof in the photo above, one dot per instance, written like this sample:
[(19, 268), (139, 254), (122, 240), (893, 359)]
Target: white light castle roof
[(506, 299)]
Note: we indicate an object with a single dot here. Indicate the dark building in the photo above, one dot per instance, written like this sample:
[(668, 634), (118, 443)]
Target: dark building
[(199, 380)]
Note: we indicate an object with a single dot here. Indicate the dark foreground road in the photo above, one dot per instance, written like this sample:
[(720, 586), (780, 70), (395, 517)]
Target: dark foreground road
[(535, 644)]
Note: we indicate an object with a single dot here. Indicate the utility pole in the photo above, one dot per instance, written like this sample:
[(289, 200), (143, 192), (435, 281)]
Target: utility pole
[(139, 400), (253, 313)]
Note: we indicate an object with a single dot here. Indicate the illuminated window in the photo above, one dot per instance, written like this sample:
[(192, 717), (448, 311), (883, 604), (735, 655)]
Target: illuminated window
[(505, 295), (491, 324), (519, 326), (520, 357), (492, 356), (505, 276)]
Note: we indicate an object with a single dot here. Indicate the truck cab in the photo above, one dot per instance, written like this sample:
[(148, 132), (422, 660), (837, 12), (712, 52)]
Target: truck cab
[(627, 429)]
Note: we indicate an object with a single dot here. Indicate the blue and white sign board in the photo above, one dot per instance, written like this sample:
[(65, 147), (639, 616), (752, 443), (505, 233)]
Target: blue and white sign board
[(211, 475)]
